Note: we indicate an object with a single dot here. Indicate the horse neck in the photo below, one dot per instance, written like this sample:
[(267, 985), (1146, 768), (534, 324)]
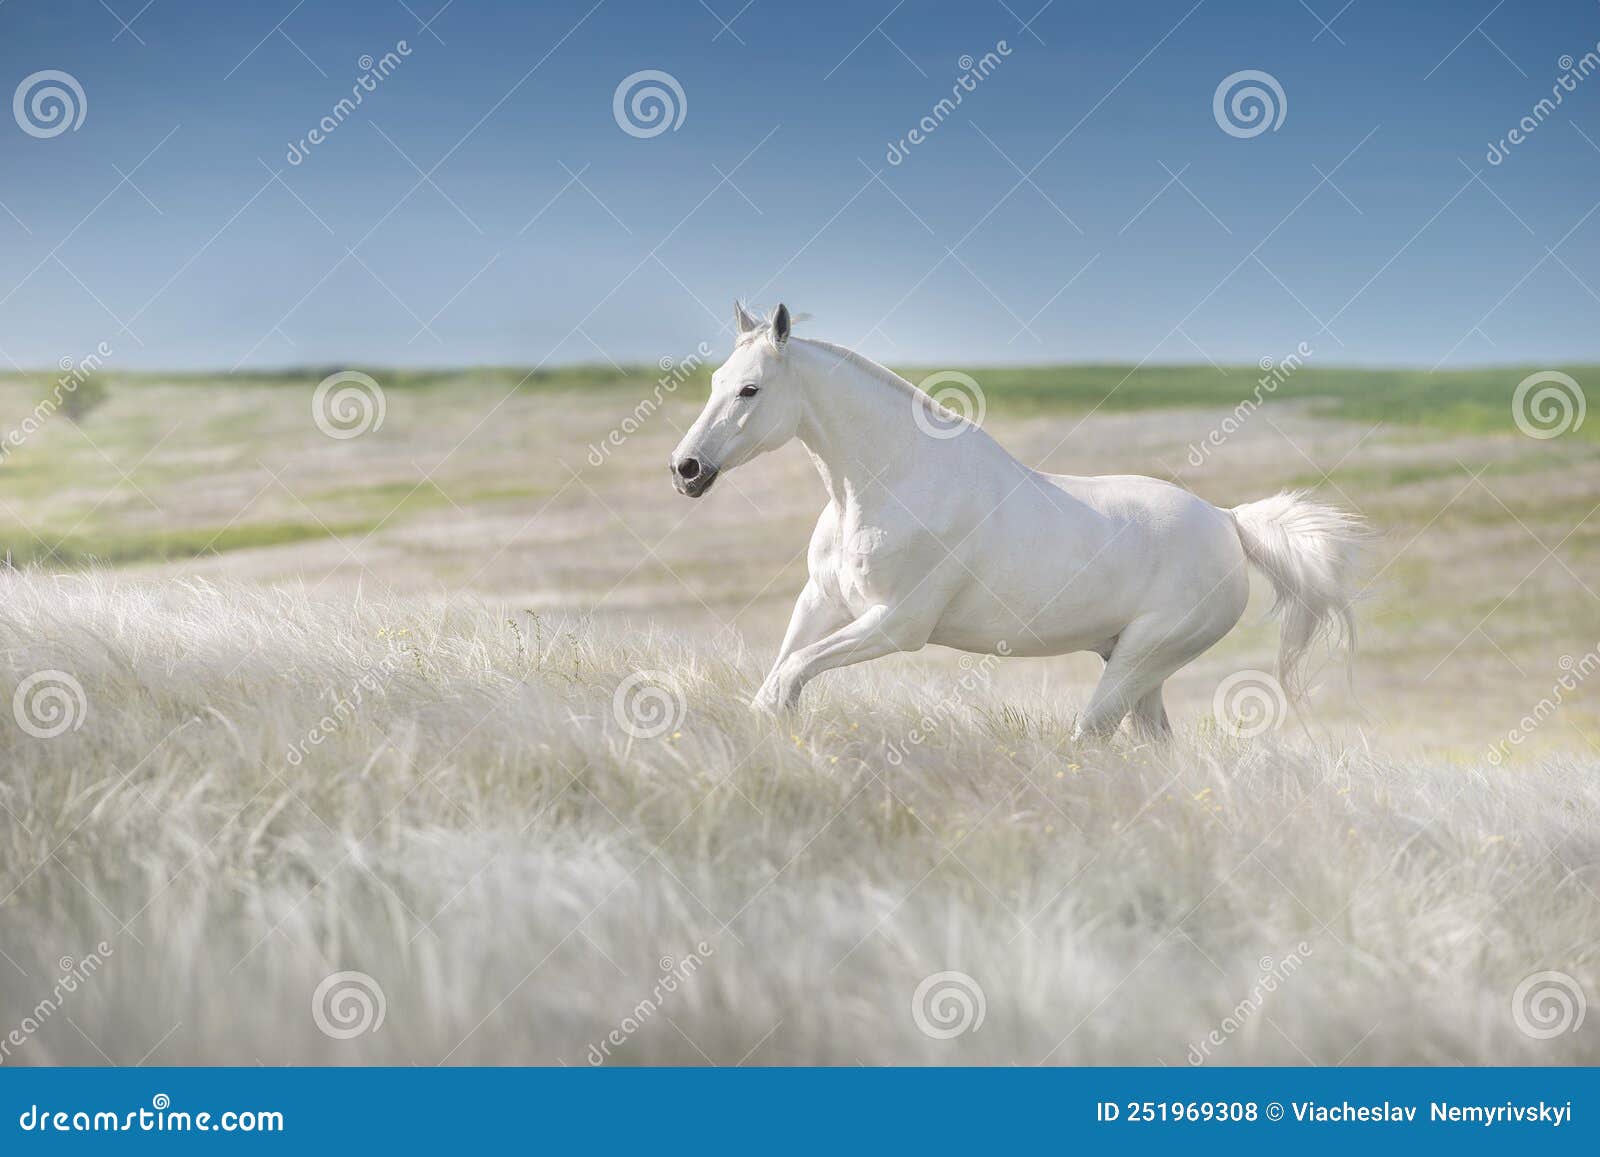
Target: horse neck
[(856, 427)]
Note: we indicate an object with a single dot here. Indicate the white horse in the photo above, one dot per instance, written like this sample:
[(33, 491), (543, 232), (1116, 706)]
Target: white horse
[(934, 538)]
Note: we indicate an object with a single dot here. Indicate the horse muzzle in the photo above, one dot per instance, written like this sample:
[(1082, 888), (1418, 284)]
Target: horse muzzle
[(692, 477)]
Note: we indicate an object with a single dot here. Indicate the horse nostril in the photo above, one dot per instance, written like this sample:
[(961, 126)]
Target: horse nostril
[(688, 468)]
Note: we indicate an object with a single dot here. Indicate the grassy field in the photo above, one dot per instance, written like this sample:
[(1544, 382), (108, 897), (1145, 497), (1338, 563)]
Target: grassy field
[(458, 704)]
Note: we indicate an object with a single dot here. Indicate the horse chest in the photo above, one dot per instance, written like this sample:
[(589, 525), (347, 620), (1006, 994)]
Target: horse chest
[(863, 566)]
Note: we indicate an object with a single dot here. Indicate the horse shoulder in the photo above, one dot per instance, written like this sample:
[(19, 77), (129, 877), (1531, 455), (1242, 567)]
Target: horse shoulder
[(824, 537)]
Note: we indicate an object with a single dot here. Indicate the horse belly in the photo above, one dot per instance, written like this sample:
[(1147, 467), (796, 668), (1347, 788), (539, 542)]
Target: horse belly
[(1049, 606), (1039, 640)]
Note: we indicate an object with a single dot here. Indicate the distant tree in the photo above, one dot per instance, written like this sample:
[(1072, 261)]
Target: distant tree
[(77, 402)]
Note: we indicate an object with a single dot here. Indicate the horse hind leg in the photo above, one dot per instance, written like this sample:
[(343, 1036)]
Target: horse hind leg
[(1132, 682), (1150, 716)]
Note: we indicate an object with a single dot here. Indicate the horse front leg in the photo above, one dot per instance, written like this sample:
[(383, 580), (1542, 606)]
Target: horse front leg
[(881, 630), (814, 616)]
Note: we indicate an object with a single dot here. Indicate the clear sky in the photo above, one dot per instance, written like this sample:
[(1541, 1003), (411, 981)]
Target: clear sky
[(1083, 202)]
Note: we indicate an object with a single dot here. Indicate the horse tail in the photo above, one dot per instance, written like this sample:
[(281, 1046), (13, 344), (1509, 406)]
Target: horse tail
[(1311, 554)]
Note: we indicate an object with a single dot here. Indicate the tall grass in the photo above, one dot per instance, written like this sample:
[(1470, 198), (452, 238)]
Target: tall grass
[(477, 830)]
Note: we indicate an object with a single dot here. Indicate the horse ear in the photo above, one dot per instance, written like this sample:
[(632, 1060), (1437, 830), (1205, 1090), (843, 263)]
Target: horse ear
[(743, 323), (780, 326)]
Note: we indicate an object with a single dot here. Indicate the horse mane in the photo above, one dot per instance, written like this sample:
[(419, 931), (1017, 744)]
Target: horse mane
[(879, 373)]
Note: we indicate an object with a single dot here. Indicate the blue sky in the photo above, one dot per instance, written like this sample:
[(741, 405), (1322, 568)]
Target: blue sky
[(545, 234)]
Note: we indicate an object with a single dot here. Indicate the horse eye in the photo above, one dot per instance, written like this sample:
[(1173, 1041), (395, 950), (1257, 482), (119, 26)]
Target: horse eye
[(748, 391)]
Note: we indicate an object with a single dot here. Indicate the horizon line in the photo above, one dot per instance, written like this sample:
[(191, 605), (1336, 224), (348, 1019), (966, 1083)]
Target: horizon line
[(648, 369)]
